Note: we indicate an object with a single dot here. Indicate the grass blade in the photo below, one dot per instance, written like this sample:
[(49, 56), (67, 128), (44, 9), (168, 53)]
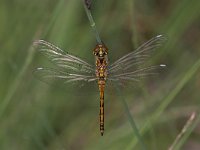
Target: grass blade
[(13, 88), (185, 132), (130, 118), (92, 23), (166, 101)]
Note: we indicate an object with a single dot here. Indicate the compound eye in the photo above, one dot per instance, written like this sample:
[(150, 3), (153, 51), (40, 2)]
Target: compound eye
[(105, 51), (95, 53)]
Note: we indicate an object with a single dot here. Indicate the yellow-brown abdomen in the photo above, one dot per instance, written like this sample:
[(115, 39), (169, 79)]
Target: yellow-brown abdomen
[(101, 84)]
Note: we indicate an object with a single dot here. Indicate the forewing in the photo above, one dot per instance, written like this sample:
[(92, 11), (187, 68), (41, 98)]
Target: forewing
[(62, 59), (133, 65), (68, 68)]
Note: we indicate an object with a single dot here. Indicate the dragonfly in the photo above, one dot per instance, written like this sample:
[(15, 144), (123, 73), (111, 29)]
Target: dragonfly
[(70, 68)]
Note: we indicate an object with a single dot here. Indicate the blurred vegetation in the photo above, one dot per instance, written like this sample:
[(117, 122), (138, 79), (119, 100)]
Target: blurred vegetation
[(37, 116)]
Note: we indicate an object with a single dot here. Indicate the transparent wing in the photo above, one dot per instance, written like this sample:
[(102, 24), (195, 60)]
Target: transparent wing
[(62, 59), (50, 75), (137, 74), (132, 65), (68, 68)]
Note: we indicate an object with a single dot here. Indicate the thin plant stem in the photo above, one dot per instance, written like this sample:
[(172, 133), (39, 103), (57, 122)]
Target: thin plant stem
[(134, 38), (92, 23), (13, 88), (133, 125), (185, 129), (133, 24), (188, 132), (167, 100), (54, 17), (130, 118), (16, 83)]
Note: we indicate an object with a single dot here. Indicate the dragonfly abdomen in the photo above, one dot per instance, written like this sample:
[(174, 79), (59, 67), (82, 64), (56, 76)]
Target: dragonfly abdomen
[(101, 84)]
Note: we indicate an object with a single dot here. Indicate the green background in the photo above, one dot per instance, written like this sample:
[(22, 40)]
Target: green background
[(38, 116)]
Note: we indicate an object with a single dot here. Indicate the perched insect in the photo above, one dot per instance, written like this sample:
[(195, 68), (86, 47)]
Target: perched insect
[(70, 68)]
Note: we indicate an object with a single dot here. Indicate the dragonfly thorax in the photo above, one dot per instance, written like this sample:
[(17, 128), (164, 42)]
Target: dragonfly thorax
[(100, 51), (101, 72)]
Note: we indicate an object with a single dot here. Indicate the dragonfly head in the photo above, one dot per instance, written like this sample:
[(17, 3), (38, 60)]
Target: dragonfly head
[(100, 50)]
